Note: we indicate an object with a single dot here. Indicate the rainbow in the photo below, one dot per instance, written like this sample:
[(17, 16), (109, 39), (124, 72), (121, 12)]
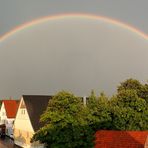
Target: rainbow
[(75, 15)]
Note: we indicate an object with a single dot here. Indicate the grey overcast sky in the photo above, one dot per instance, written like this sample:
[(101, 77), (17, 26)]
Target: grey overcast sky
[(75, 54), (17, 12)]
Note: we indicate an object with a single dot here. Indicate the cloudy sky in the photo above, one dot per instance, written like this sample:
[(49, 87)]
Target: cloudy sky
[(75, 54), (16, 12)]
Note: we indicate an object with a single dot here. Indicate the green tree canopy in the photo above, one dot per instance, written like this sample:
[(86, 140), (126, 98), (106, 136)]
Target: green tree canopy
[(129, 112), (99, 111), (130, 84), (66, 125), (133, 84)]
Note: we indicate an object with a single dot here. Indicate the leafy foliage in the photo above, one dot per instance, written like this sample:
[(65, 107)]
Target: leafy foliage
[(144, 92), (70, 124), (130, 84), (66, 125), (99, 110), (133, 84), (129, 112)]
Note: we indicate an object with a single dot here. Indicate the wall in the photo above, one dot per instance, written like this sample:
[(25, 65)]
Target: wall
[(23, 130), (9, 126), (3, 116)]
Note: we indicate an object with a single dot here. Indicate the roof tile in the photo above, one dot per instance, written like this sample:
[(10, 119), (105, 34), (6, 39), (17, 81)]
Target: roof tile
[(120, 139), (11, 107)]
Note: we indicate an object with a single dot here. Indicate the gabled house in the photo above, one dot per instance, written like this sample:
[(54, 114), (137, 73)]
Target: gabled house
[(121, 139), (27, 119), (7, 114)]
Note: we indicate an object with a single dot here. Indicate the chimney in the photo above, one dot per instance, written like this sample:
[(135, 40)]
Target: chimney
[(84, 101)]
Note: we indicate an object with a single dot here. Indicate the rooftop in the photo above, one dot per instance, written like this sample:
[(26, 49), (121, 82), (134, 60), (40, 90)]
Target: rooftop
[(11, 107), (121, 139)]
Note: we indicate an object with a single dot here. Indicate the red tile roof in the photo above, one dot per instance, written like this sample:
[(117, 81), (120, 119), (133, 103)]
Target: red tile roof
[(11, 107), (121, 139)]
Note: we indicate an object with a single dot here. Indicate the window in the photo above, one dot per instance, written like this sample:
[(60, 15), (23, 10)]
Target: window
[(22, 111)]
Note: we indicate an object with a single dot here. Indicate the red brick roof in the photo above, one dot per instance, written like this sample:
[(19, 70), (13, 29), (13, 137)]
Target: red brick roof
[(121, 139), (11, 107)]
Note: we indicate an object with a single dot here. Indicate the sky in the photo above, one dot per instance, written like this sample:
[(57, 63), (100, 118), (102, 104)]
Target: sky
[(17, 12), (51, 56)]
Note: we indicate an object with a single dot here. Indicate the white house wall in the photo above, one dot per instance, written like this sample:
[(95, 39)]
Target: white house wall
[(23, 129), (7, 121), (3, 117), (22, 121)]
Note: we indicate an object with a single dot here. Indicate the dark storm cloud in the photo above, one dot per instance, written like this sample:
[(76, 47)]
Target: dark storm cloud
[(24, 57), (70, 54), (17, 12)]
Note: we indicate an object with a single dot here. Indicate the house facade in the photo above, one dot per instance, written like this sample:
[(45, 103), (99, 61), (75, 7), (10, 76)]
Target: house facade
[(27, 120), (3, 117), (7, 115)]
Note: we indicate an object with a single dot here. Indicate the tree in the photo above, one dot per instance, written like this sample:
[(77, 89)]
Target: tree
[(99, 111), (133, 84), (66, 124), (130, 84), (129, 112), (144, 92)]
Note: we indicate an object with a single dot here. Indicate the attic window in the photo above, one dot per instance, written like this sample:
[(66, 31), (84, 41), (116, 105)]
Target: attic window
[(23, 111)]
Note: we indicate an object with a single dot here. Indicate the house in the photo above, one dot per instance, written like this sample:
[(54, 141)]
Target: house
[(7, 114), (27, 119), (121, 139)]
